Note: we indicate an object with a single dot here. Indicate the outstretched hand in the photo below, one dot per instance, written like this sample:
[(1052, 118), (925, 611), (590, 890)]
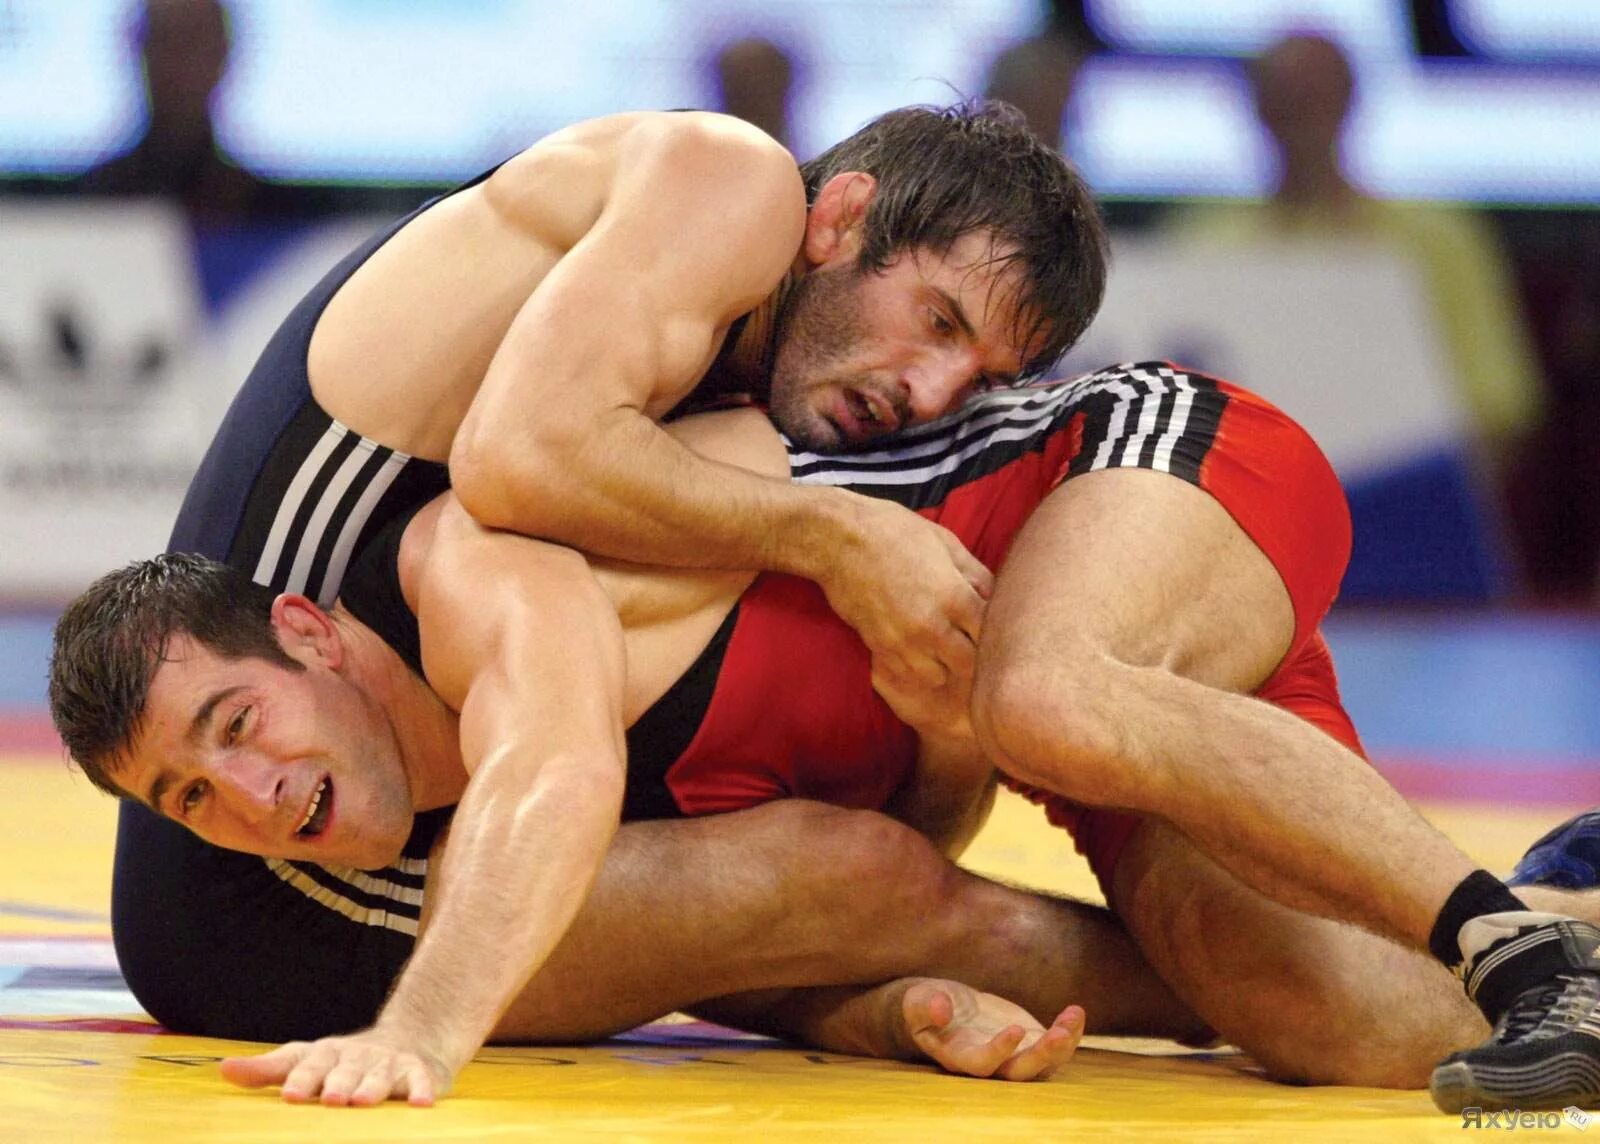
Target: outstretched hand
[(980, 1034), (914, 595), (365, 1068)]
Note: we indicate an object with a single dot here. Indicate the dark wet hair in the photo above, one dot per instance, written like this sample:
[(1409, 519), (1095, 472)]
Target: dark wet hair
[(946, 172), (111, 640)]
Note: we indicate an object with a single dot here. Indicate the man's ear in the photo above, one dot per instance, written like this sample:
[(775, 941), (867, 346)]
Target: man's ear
[(837, 218), (305, 631)]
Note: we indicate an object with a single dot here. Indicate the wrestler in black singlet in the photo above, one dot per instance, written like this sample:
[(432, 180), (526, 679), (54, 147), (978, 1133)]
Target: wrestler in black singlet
[(218, 943)]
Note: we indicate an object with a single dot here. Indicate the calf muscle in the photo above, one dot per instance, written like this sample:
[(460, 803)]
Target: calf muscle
[(1311, 999)]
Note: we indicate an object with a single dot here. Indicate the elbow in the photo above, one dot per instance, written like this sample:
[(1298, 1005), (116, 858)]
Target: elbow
[(582, 787), (506, 484), (1050, 728)]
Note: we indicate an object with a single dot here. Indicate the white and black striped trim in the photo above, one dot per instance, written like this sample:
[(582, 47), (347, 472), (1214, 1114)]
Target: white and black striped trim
[(1147, 415), (322, 512), (390, 897), (1479, 970), (363, 897)]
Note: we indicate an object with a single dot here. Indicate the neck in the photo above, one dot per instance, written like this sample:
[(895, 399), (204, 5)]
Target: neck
[(1314, 180), (424, 728), (749, 361), (178, 133)]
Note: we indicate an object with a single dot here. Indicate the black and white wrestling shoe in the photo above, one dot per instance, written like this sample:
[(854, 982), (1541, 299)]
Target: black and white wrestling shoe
[(1545, 1049)]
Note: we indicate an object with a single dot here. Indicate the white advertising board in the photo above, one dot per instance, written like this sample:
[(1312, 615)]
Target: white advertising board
[(99, 372), (1342, 339), (113, 379)]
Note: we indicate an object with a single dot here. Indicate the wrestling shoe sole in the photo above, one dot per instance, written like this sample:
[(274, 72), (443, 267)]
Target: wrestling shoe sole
[(1556, 1081)]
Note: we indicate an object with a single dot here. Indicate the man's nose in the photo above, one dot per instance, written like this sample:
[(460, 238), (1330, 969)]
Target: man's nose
[(938, 385), (251, 784)]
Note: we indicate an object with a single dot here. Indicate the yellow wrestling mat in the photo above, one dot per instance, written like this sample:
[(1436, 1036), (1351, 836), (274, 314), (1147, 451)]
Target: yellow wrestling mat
[(69, 1073)]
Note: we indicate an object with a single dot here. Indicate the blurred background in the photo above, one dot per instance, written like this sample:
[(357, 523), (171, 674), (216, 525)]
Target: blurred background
[(1379, 213)]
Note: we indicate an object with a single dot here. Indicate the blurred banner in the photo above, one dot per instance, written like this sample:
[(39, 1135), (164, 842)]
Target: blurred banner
[(113, 377), (1343, 338), (99, 380), (114, 371), (436, 90)]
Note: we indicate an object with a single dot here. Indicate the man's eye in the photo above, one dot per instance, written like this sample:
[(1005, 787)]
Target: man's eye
[(192, 796), (940, 323), (236, 724)]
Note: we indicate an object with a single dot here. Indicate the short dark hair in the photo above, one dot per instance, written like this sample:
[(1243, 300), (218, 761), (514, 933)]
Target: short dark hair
[(111, 639), (945, 172)]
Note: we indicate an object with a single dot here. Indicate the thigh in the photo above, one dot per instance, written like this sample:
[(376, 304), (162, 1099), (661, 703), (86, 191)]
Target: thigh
[(791, 893), (1204, 533), (221, 944), (1143, 568), (1306, 685)]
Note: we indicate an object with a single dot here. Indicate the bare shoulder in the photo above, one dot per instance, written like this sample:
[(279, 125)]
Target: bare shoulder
[(557, 187), (696, 216), (715, 166), (579, 167), (736, 147)]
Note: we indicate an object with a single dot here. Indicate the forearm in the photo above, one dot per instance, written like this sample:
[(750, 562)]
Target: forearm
[(860, 1020), (521, 860), (622, 487)]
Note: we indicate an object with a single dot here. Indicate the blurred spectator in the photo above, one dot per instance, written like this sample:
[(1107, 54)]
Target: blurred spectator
[(1304, 89), (1555, 492), (184, 47), (755, 81), (1035, 76)]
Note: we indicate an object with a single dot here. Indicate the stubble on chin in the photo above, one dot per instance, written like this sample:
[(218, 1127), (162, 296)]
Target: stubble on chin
[(817, 329), (802, 425)]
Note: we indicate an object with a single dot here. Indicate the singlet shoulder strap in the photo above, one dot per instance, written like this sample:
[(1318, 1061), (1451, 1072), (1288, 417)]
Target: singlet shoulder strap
[(371, 590)]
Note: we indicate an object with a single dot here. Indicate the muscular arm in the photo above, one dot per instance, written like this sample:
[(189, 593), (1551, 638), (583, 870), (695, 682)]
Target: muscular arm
[(519, 638), (698, 221), (701, 217)]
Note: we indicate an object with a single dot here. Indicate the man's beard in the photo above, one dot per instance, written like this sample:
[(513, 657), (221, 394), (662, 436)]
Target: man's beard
[(817, 327)]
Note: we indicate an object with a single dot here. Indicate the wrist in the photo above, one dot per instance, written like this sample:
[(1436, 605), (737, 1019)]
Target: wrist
[(441, 1041), (823, 524)]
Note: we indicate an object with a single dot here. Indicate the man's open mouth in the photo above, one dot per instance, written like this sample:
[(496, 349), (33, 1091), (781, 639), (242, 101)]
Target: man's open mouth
[(316, 816), (874, 415)]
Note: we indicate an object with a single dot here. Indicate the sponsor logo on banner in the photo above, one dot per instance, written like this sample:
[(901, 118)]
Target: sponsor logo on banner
[(100, 369)]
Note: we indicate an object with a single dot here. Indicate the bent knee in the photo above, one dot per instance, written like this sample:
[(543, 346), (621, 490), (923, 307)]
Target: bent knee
[(876, 857), (1050, 728), (879, 884)]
